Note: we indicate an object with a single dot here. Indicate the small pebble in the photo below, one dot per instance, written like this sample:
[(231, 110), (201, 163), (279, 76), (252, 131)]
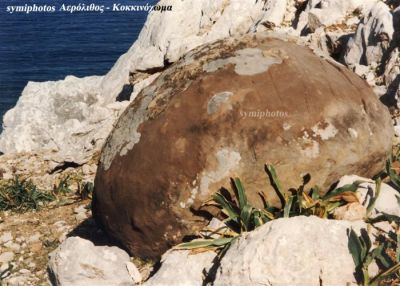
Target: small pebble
[(34, 238), (6, 257), (25, 271), (6, 237)]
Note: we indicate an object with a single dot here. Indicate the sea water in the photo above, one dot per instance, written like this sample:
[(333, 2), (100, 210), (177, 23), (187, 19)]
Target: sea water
[(39, 46)]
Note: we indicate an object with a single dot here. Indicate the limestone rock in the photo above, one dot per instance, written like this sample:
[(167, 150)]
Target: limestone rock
[(6, 237), (392, 75), (387, 201), (182, 268), (372, 38), (7, 256), (80, 263), (63, 117), (352, 212), (324, 13), (225, 110), (297, 251)]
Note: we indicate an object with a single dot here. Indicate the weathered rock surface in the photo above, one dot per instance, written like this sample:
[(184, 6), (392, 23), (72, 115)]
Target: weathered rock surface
[(325, 13), (372, 38), (77, 262), (373, 51), (182, 268), (225, 110), (387, 201), (297, 251)]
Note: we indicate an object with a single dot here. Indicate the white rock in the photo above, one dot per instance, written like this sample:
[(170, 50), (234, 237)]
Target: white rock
[(24, 271), (361, 70), (20, 239), (372, 38), (79, 262), (133, 272), (81, 216), (18, 280), (32, 265), (34, 238), (6, 257), (86, 169), (275, 12), (392, 72), (80, 209), (13, 246), (397, 130), (323, 13), (5, 237), (297, 251), (180, 268), (351, 212), (387, 201)]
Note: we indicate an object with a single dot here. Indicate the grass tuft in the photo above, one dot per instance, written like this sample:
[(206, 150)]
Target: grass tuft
[(22, 195)]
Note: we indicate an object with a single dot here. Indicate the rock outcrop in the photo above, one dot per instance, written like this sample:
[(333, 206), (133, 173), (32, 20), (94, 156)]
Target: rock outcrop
[(62, 117), (78, 262), (325, 13), (187, 269), (295, 251), (225, 110), (387, 201), (261, 257), (373, 52), (372, 38)]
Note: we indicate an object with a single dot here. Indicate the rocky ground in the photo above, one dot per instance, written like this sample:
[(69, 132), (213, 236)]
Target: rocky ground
[(27, 238)]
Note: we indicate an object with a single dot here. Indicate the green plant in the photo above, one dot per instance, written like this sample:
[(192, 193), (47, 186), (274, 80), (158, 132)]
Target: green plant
[(85, 190), (21, 194), (363, 256), (63, 186), (240, 216), (389, 171), (301, 202), (372, 201)]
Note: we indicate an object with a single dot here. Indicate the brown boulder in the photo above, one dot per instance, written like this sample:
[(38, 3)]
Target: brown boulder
[(225, 110)]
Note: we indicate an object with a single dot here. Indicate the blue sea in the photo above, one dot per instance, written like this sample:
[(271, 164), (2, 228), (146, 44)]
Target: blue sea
[(49, 46)]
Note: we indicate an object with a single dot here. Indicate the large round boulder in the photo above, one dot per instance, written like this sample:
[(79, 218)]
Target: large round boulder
[(225, 110)]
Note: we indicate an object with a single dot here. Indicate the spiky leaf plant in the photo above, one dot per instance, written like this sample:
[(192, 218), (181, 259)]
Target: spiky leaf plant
[(240, 216), (360, 248), (21, 194)]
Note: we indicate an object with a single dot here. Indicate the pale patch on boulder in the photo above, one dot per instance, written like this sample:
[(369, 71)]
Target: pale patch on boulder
[(324, 130), (228, 161), (217, 100)]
